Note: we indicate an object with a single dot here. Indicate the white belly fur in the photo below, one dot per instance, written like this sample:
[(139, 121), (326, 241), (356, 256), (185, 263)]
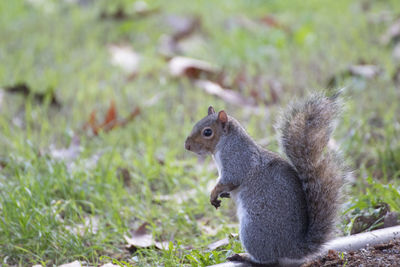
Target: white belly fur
[(235, 193)]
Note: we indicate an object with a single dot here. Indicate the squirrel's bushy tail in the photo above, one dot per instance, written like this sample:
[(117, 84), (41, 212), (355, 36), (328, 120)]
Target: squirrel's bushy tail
[(305, 132)]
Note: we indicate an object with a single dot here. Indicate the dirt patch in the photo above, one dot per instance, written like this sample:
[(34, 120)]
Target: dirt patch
[(385, 254)]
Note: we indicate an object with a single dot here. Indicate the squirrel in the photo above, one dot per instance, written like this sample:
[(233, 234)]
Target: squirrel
[(286, 207)]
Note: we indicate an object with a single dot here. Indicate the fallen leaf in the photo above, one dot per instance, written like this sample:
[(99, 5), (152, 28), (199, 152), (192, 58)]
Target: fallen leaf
[(135, 112), (217, 244), (124, 57), (110, 121), (272, 22), (71, 264), (92, 123), (26, 91), (191, 68), (227, 95), (141, 238)]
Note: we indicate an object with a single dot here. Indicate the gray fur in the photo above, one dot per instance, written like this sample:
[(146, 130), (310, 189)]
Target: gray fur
[(271, 204), (286, 209)]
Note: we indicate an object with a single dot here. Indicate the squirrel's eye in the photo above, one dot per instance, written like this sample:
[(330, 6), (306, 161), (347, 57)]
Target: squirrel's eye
[(207, 132)]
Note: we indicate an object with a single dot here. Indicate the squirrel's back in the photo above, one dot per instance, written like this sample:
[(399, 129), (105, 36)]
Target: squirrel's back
[(305, 132)]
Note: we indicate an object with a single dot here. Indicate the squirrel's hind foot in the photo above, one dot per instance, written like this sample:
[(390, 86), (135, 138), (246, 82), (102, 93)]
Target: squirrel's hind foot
[(246, 259)]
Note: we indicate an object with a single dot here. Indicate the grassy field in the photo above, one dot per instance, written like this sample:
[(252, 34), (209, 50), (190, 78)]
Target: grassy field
[(67, 194)]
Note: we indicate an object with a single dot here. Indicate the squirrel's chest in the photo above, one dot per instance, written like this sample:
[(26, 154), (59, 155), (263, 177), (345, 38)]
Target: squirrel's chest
[(217, 160)]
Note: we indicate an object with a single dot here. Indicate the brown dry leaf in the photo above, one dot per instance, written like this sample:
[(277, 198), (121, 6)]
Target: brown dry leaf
[(227, 95), (124, 57), (110, 121), (71, 264), (25, 90), (191, 68), (218, 244), (135, 112), (272, 22)]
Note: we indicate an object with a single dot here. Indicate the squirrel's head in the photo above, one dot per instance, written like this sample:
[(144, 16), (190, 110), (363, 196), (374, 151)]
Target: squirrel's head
[(206, 133)]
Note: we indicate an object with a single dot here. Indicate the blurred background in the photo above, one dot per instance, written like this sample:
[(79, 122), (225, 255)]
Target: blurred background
[(97, 98)]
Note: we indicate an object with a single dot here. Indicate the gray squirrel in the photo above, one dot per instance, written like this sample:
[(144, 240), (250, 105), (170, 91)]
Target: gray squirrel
[(286, 207)]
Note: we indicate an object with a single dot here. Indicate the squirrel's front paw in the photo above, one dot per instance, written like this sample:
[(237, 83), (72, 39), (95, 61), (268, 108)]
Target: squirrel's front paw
[(215, 202)]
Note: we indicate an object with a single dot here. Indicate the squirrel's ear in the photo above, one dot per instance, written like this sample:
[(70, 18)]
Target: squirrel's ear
[(222, 118), (211, 110)]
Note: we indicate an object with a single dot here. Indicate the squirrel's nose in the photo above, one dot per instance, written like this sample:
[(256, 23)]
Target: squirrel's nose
[(187, 145)]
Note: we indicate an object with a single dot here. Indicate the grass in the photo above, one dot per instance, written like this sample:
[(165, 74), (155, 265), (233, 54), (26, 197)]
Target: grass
[(61, 47)]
